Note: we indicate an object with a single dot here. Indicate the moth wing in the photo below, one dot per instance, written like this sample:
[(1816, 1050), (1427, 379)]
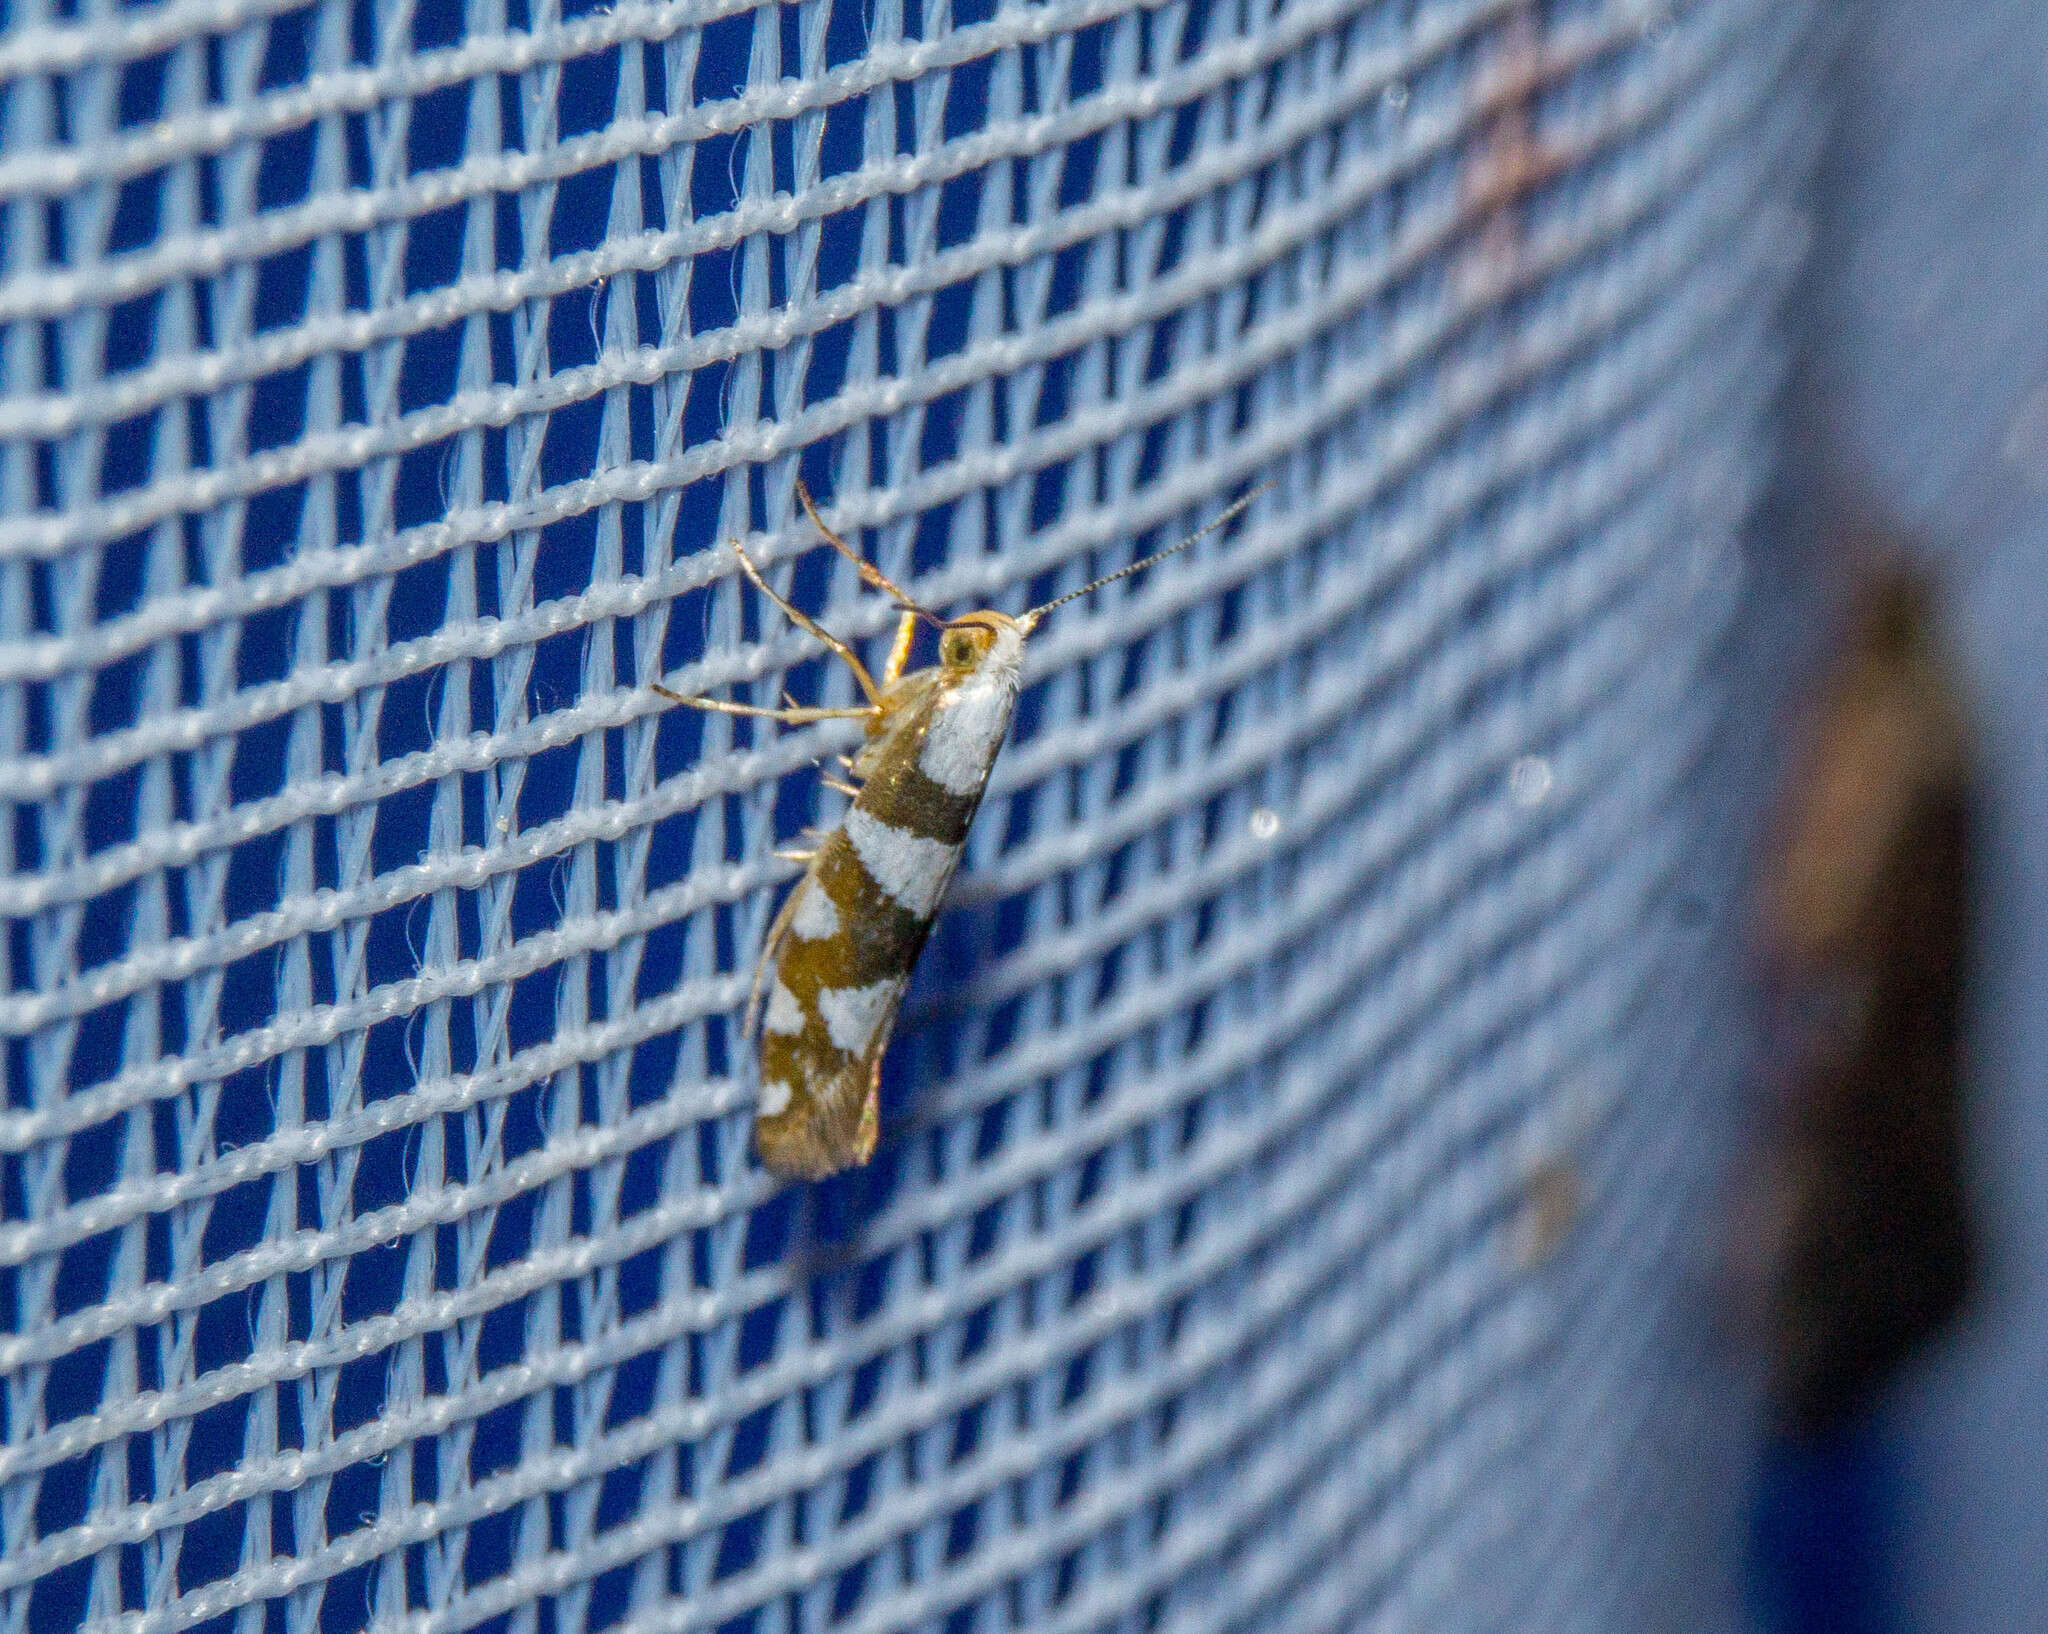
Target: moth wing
[(905, 704), (826, 1118), (831, 1124)]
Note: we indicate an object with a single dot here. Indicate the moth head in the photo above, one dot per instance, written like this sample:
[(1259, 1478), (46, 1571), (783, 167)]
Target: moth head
[(965, 642)]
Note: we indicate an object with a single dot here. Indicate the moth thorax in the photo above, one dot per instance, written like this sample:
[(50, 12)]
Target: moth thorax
[(972, 715)]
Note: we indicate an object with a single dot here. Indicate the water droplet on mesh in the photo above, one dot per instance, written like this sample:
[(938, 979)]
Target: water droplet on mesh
[(1530, 779)]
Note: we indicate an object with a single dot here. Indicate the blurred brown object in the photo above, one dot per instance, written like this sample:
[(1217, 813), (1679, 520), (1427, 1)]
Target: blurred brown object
[(1864, 922)]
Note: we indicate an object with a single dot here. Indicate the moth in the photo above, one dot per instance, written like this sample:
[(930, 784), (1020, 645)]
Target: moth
[(1864, 1241), (841, 950)]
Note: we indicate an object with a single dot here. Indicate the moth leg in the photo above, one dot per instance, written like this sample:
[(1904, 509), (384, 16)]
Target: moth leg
[(899, 649), (840, 786), (871, 575), (810, 626), (812, 839), (795, 717)]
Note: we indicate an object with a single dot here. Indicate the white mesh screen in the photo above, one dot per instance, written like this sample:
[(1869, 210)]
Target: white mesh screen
[(382, 1247)]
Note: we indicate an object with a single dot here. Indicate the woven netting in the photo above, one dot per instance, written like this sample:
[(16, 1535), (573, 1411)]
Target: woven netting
[(1301, 1122)]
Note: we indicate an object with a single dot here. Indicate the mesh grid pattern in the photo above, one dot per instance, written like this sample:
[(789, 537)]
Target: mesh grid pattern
[(381, 1244)]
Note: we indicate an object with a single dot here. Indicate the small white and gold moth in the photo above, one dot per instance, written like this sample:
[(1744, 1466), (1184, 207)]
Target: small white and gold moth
[(839, 955)]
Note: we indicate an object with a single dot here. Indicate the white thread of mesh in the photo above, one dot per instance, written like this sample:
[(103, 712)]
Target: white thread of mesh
[(381, 1247)]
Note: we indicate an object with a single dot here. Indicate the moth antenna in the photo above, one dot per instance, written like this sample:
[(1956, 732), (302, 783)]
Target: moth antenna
[(870, 574), (1229, 515)]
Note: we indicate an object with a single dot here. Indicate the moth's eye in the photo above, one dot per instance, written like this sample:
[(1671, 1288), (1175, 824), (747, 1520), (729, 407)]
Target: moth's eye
[(957, 649)]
